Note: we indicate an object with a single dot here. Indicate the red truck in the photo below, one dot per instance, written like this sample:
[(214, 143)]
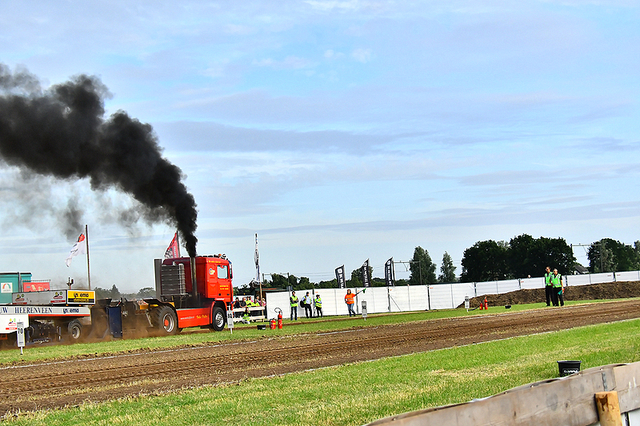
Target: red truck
[(180, 304)]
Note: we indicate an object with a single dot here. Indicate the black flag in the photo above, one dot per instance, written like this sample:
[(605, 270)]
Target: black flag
[(366, 278), (389, 273), (340, 277)]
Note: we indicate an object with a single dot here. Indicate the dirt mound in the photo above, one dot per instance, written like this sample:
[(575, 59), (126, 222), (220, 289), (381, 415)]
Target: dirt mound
[(621, 290)]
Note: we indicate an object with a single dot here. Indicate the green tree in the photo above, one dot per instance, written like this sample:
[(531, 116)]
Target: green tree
[(528, 256), (279, 281), (328, 284), (447, 270), (524, 257), (608, 255), (146, 292), (292, 280), (305, 283), (423, 270), (356, 279), (485, 261), (102, 293)]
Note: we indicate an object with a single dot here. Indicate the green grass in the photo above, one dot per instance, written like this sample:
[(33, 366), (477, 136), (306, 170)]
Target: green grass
[(354, 394)]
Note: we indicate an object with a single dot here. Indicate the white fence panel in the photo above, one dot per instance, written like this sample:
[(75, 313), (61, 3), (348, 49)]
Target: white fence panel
[(508, 286), (488, 287), (440, 296), (532, 283), (460, 291), (400, 301), (606, 277), (376, 298), (418, 297), (628, 276), (578, 279), (278, 300)]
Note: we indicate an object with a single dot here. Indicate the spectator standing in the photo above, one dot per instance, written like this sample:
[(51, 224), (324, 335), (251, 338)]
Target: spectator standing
[(246, 316), (293, 300), (349, 299), (556, 281), (548, 286), (306, 302), (318, 303)]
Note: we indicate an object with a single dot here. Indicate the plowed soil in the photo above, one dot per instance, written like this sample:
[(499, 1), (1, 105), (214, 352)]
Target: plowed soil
[(57, 384)]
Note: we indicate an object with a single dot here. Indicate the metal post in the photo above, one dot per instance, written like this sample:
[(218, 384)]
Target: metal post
[(86, 234)]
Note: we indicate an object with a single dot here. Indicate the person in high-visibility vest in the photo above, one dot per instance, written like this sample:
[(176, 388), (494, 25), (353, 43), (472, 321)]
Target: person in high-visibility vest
[(318, 304), (293, 301), (246, 317), (556, 281), (349, 299), (548, 286)]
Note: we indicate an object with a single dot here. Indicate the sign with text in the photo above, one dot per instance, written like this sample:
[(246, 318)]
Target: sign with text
[(389, 273), (340, 277), (366, 274)]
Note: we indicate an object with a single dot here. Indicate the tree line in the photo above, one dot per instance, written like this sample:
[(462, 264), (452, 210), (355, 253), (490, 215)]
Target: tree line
[(521, 257), (114, 294)]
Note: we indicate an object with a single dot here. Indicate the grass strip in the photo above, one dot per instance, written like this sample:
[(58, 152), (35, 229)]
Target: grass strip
[(354, 394)]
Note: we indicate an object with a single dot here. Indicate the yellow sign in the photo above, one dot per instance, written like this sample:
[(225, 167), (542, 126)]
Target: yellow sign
[(82, 296)]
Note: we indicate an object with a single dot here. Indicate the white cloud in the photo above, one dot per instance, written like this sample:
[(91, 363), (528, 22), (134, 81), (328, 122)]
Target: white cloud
[(362, 55)]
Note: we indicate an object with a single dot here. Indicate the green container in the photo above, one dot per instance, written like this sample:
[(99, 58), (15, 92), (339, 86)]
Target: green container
[(11, 282)]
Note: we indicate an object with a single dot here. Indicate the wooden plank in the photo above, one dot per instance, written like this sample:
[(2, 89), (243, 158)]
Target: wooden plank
[(627, 383), (567, 401)]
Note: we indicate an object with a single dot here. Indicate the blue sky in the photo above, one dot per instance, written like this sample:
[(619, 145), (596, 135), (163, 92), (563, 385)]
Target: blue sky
[(341, 131)]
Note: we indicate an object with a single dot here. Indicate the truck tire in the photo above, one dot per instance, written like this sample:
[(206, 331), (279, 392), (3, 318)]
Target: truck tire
[(75, 333), (219, 319), (165, 320)]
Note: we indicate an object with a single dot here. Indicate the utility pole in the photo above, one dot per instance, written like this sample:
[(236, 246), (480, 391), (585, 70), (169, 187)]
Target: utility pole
[(600, 245)]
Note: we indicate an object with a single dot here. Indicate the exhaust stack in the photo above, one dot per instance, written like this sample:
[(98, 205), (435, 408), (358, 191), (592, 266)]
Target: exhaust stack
[(194, 283)]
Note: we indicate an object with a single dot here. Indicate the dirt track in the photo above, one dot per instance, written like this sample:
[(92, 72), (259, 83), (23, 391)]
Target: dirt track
[(48, 385)]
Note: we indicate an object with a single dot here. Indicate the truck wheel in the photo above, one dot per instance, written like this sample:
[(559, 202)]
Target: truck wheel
[(219, 319), (165, 320), (74, 331)]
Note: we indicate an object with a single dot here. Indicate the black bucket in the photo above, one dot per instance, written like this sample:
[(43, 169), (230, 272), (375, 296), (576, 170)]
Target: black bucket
[(568, 367), (262, 326)]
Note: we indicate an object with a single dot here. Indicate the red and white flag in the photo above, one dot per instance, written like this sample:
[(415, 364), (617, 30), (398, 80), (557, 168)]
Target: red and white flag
[(79, 247), (173, 250)]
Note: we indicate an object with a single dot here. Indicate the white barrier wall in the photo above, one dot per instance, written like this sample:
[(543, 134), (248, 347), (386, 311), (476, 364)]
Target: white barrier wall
[(531, 283), (628, 276), (426, 297)]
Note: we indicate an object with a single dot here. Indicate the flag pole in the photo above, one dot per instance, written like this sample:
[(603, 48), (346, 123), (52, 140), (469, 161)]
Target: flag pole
[(86, 234)]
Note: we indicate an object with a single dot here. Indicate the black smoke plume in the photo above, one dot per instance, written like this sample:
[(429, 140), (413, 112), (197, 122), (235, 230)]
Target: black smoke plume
[(62, 132)]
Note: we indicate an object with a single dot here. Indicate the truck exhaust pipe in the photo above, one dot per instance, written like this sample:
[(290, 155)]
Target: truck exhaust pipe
[(194, 283)]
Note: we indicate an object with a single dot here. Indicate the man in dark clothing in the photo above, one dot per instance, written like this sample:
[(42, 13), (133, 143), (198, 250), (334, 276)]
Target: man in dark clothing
[(548, 287), (306, 302)]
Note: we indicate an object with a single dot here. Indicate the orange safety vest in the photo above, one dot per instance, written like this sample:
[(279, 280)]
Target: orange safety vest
[(349, 299)]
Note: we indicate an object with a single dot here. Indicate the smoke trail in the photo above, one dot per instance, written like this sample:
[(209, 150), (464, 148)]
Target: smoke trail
[(62, 132)]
